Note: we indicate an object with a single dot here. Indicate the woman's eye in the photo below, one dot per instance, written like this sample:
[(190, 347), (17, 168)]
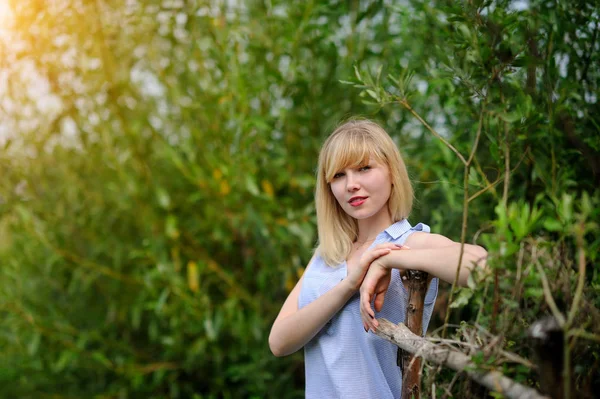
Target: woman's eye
[(363, 168), (339, 174)]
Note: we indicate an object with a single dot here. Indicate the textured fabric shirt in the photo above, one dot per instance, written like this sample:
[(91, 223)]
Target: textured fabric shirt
[(342, 361)]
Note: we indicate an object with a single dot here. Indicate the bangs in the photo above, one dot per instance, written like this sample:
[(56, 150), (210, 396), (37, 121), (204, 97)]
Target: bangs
[(349, 150)]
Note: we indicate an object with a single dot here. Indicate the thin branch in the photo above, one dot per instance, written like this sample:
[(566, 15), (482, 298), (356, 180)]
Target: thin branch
[(506, 166), (579, 231), (448, 392), (485, 289), (463, 233), (486, 188), (513, 357), (584, 334), (462, 244), (406, 105), (483, 175), (581, 282), (548, 295), (477, 136), (495, 183)]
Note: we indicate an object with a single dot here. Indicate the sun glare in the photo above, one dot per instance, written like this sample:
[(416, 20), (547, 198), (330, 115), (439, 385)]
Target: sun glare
[(5, 16)]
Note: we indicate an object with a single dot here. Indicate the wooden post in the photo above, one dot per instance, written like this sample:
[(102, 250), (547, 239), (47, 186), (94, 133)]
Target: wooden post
[(548, 343), (411, 369)]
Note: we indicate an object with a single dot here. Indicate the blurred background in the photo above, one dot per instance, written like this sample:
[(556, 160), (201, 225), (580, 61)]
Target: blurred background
[(157, 167)]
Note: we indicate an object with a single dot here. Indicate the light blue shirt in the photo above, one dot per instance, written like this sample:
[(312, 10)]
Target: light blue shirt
[(342, 361)]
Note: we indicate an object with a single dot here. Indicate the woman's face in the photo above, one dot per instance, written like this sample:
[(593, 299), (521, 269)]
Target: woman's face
[(363, 191)]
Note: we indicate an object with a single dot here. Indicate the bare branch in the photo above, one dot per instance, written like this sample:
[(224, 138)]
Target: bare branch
[(406, 105), (400, 335)]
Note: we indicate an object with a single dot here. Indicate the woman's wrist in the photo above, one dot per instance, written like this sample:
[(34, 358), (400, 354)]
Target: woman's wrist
[(348, 286), (394, 260), (384, 261)]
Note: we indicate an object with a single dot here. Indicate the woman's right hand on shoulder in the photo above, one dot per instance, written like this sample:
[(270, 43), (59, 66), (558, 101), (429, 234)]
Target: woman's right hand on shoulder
[(357, 274)]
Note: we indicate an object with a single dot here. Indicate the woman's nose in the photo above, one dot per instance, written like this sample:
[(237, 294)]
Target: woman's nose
[(352, 182)]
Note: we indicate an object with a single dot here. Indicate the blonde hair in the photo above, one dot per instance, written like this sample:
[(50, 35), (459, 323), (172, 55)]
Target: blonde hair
[(350, 145)]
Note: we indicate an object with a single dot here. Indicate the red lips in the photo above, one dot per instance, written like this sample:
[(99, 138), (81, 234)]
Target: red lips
[(357, 198)]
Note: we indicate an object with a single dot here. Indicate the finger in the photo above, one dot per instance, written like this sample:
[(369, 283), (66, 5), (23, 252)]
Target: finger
[(389, 245), (370, 323), (366, 304), (363, 303), (365, 322), (366, 311), (370, 256), (364, 319), (377, 253), (379, 299)]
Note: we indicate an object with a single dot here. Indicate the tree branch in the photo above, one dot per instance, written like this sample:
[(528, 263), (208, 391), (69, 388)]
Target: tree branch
[(400, 335), (406, 105)]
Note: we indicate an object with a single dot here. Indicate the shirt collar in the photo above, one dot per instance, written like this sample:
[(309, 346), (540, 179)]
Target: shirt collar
[(398, 229)]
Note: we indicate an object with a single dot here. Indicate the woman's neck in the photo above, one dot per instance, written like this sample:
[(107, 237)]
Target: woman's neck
[(368, 229)]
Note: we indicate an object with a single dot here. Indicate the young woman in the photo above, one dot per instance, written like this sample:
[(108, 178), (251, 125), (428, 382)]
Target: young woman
[(363, 197)]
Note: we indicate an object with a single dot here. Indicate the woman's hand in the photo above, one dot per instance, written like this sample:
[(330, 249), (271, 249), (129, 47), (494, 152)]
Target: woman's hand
[(357, 273), (375, 285)]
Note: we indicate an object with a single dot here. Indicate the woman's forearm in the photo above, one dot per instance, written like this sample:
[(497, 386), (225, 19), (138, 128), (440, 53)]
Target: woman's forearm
[(440, 262), (293, 331)]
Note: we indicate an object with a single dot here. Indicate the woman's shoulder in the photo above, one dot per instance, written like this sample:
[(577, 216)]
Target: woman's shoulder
[(400, 231), (426, 239), (404, 228), (420, 227)]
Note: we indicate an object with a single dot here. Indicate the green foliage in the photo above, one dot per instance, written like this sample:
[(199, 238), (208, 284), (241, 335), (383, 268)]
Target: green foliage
[(158, 168)]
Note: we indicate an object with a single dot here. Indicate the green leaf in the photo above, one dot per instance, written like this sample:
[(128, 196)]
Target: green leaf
[(357, 74), (34, 344), (100, 357), (63, 361), (251, 186), (163, 198), (553, 225), (463, 297), (471, 282), (373, 94), (171, 229)]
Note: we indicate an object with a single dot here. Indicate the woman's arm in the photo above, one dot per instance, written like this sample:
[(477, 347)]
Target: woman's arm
[(431, 253), (438, 256), (294, 327)]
